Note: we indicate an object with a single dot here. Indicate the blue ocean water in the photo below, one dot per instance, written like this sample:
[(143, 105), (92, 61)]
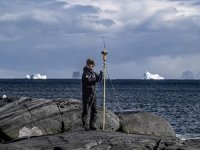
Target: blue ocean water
[(178, 101)]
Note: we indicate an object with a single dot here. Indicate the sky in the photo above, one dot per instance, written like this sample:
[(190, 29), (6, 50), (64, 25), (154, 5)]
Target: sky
[(55, 37)]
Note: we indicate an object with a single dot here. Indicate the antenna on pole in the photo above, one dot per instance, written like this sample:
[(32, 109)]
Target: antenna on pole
[(104, 53), (104, 43)]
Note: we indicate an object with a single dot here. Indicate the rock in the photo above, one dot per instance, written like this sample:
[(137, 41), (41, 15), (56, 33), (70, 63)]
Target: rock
[(4, 96), (47, 116), (112, 122), (26, 132), (7, 100), (146, 123), (100, 140)]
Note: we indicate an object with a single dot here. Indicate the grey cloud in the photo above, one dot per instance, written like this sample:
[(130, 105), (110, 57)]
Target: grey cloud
[(27, 25), (83, 9), (196, 3), (32, 44), (181, 0), (10, 6), (95, 19), (105, 22), (185, 2), (156, 38), (62, 53)]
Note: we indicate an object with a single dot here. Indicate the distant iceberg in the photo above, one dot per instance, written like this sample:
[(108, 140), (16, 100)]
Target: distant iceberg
[(198, 76), (76, 75), (27, 76), (36, 76), (187, 75), (149, 76)]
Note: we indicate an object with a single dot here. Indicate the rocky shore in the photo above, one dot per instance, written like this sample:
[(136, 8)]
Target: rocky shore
[(41, 124)]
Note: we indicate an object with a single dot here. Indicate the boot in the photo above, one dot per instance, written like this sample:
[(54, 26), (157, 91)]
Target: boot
[(85, 126), (93, 126)]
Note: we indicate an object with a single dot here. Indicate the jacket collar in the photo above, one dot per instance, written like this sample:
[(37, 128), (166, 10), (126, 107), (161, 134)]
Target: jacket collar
[(86, 69)]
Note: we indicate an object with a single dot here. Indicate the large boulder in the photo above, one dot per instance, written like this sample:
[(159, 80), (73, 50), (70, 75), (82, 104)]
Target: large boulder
[(26, 115), (146, 123)]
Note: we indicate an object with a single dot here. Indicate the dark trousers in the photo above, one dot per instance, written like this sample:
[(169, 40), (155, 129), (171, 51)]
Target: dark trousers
[(89, 103)]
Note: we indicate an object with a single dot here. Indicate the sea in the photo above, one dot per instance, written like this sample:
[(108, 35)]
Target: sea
[(178, 101)]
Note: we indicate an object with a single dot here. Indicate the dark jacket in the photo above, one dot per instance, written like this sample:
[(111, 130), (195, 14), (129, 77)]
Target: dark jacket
[(89, 79)]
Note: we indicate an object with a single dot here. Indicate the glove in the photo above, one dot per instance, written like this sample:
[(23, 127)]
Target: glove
[(100, 76)]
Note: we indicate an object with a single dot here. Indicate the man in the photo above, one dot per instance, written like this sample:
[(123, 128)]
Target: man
[(89, 80)]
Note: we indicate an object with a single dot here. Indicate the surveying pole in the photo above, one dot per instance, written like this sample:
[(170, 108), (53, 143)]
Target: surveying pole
[(104, 53)]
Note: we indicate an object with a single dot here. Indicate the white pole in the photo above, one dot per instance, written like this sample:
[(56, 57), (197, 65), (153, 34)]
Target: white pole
[(104, 97), (104, 53)]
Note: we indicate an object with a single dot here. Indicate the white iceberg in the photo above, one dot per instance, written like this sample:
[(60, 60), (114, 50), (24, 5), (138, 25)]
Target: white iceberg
[(149, 76), (27, 76), (36, 76)]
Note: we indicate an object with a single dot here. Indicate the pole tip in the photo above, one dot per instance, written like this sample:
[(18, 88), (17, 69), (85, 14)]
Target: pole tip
[(104, 52)]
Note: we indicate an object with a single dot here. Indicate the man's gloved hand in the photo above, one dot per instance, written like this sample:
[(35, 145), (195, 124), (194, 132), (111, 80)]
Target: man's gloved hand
[(100, 76)]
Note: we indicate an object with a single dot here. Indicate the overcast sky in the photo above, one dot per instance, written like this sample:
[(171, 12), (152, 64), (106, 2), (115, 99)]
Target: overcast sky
[(55, 37)]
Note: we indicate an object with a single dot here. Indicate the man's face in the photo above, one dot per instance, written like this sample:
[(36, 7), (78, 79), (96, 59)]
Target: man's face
[(90, 66)]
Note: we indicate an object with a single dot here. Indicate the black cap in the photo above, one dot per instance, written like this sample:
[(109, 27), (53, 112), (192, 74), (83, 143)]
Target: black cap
[(90, 61)]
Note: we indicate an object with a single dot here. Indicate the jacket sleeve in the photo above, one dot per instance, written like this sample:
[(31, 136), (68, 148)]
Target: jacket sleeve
[(99, 76)]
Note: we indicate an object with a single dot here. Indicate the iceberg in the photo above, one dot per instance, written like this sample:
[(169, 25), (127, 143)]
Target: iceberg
[(198, 76), (187, 75), (149, 76), (36, 76), (27, 76), (76, 75)]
